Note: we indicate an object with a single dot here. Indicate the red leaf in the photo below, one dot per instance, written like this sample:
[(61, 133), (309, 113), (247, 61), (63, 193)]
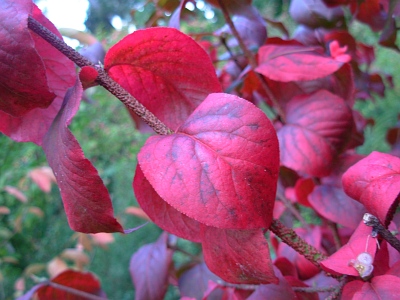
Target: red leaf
[(381, 287), (85, 282), (220, 167), (238, 256), (149, 269), (25, 87), (317, 127), (369, 12), (375, 182), (61, 75), (295, 63), (161, 67), (86, 200), (360, 242), (161, 213), (88, 76)]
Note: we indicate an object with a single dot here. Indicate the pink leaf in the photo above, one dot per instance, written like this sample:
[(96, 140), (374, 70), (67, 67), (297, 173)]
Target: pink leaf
[(342, 261), (60, 74), (220, 167), (381, 287), (86, 200), (295, 63), (316, 131), (43, 177), (162, 68), (375, 182), (149, 269), (161, 213), (238, 256)]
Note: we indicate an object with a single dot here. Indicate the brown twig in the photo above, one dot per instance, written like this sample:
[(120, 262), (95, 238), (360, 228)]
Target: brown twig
[(290, 237), (252, 61), (371, 220), (103, 79)]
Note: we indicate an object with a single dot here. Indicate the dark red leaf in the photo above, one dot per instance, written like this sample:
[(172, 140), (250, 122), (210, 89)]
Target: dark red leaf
[(369, 12), (25, 87), (295, 63), (280, 291), (294, 282), (60, 73), (303, 188), (149, 269), (221, 166), (375, 182), (381, 287), (86, 200), (161, 213), (238, 256), (342, 261), (316, 131), (162, 68), (314, 13), (85, 282)]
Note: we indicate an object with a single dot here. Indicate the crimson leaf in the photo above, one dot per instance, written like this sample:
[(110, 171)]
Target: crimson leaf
[(86, 200), (295, 63), (161, 67), (380, 287), (85, 282), (149, 269), (238, 256), (375, 182), (316, 131), (220, 167), (161, 213), (60, 74)]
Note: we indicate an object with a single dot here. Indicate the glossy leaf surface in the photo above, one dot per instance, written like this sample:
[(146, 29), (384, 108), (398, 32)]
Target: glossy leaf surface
[(220, 167), (153, 65)]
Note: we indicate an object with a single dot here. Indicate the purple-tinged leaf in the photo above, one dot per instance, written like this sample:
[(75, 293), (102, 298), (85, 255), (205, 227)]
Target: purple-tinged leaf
[(149, 269)]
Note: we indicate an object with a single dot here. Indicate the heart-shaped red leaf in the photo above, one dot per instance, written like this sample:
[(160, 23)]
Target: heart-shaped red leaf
[(375, 182), (316, 131), (85, 282), (86, 200), (166, 70), (238, 256), (294, 63), (149, 269), (221, 166), (61, 74), (342, 261), (161, 213)]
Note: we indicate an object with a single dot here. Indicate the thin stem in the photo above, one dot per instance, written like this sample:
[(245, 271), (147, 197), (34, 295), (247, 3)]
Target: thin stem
[(314, 289), (73, 291), (371, 220), (338, 290), (292, 209), (335, 233), (103, 79), (290, 237), (252, 61)]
